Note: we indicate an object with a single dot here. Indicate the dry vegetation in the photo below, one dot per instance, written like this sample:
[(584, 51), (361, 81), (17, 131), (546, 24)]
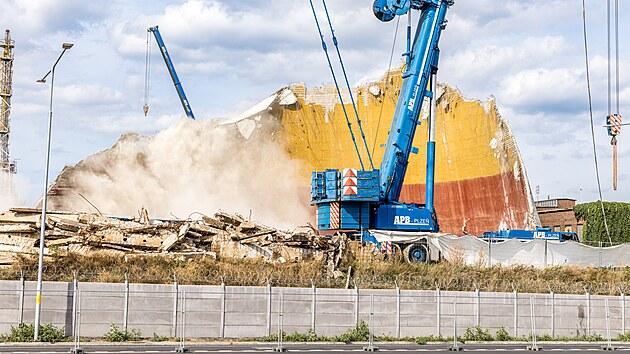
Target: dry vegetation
[(364, 274)]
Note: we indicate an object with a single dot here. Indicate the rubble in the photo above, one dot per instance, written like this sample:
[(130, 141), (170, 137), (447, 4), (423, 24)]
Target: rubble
[(222, 235)]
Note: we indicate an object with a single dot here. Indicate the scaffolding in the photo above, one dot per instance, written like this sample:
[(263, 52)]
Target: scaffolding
[(7, 166)]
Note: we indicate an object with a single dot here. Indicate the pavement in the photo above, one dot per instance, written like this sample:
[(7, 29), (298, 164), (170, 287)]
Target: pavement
[(234, 347)]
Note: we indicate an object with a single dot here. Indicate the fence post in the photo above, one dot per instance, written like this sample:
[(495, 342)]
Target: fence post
[(515, 312), (21, 297), (588, 312), (532, 312), (552, 296), (182, 330), (313, 305), (280, 347), (438, 295), (76, 330), (75, 287), (126, 304), (370, 347), (268, 308), (455, 347), (222, 316), (478, 307), (623, 313), (356, 304), (175, 305), (608, 345), (397, 311)]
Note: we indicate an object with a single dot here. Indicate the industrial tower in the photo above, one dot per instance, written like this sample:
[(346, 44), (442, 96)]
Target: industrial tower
[(7, 167)]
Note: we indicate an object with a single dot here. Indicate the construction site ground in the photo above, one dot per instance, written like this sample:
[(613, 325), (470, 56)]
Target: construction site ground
[(228, 248)]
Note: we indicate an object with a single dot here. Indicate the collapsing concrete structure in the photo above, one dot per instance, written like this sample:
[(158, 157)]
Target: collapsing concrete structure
[(481, 183)]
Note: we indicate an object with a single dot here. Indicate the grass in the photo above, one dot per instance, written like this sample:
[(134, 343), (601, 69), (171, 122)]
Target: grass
[(361, 332), (371, 273)]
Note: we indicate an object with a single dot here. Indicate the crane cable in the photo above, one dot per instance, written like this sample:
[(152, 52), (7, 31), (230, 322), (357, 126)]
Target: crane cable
[(389, 68), (616, 82), (147, 75), (613, 140), (343, 106), (343, 68), (590, 109)]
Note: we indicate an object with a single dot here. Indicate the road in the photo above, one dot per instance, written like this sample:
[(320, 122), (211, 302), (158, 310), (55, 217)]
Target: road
[(92, 347)]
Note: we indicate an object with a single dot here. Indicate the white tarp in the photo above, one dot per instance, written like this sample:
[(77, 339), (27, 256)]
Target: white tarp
[(471, 250), (538, 253)]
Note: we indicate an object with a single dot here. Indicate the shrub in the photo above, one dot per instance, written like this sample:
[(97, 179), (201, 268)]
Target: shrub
[(309, 336), (502, 335), (116, 335), (477, 334), (25, 332), (360, 332)]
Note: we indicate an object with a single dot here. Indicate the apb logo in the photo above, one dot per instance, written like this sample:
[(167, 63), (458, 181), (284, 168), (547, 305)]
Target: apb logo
[(402, 220)]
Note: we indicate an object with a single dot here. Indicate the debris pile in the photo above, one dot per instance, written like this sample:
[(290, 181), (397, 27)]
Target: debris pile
[(221, 235)]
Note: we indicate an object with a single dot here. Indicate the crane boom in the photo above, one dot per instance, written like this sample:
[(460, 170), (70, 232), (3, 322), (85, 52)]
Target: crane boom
[(422, 69), (171, 70)]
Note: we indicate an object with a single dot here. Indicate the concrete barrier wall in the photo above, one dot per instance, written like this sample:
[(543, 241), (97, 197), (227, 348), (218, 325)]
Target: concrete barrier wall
[(237, 312)]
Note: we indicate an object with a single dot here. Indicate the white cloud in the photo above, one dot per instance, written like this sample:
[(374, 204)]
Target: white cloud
[(88, 95), (549, 90)]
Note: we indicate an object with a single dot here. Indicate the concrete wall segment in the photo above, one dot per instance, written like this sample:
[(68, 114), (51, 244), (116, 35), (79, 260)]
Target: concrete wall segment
[(247, 312)]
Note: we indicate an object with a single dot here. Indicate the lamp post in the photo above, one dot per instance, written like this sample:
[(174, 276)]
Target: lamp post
[(38, 296)]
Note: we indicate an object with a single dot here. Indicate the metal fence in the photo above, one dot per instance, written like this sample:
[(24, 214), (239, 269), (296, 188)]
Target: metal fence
[(199, 311)]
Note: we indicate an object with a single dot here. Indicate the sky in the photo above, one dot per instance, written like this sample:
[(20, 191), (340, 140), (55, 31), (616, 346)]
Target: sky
[(527, 54)]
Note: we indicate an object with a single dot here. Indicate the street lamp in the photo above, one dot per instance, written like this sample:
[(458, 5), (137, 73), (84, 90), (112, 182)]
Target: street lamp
[(38, 296)]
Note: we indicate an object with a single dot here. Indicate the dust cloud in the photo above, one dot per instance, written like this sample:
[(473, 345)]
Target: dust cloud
[(11, 191), (191, 167)]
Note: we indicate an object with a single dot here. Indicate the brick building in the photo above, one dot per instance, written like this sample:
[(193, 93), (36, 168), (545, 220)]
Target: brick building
[(558, 215)]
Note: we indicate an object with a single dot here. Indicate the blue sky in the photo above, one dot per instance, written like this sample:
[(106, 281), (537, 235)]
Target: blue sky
[(528, 54)]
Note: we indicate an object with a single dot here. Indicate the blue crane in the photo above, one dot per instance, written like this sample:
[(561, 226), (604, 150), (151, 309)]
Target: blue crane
[(359, 200), (353, 199), (171, 70)]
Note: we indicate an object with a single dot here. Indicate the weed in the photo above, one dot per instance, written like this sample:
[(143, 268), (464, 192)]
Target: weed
[(158, 338), (425, 339), (544, 337), (116, 335), (595, 337), (623, 337)]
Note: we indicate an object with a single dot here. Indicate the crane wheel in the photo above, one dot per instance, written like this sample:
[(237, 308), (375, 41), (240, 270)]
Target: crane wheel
[(416, 253)]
